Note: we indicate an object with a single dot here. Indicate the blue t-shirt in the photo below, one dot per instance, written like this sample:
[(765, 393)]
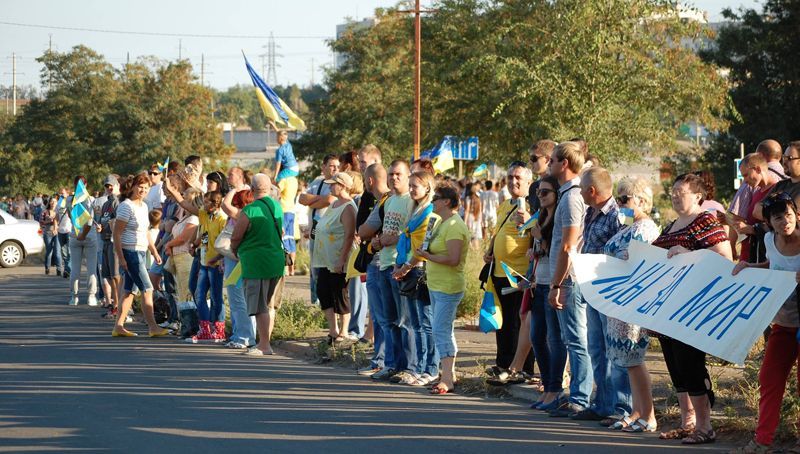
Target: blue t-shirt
[(285, 156)]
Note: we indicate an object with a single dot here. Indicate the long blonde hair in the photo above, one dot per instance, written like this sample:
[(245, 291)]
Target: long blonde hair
[(426, 178)]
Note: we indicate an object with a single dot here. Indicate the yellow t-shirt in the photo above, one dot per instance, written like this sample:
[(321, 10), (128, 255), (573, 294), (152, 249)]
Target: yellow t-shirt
[(509, 247), (210, 228), (288, 190), (445, 278)]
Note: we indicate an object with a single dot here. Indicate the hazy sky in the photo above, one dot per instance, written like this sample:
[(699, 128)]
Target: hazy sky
[(300, 28)]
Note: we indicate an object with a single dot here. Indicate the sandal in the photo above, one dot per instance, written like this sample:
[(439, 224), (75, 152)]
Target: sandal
[(676, 434), (640, 425), (441, 389), (698, 437), (620, 424)]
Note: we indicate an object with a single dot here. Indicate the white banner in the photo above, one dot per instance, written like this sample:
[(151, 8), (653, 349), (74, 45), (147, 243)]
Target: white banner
[(691, 297)]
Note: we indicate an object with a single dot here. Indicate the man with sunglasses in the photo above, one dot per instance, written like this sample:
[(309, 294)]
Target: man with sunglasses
[(540, 160), (791, 186), (156, 196)]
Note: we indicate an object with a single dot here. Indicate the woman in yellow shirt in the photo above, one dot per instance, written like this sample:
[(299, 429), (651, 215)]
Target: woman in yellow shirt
[(446, 257)]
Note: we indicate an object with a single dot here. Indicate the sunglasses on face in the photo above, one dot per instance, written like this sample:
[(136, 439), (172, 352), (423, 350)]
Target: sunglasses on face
[(152, 174), (544, 192), (623, 199), (789, 158)]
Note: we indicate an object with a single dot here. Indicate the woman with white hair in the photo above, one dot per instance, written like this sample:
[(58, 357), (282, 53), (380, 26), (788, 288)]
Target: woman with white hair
[(627, 343)]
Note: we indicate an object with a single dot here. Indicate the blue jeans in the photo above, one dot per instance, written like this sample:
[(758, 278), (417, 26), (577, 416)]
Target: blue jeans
[(382, 346), (397, 358), (444, 307), (52, 250), (210, 278), (194, 274), (405, 322), (100, 292), (63, 241), (613, 394), (419, 327), (546, 340), (358, 307), (172, 295), (137, 271), (572, 320), (242, 324)]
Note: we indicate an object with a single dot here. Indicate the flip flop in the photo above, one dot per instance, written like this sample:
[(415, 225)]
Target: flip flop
[(440, 389), (640, 425)]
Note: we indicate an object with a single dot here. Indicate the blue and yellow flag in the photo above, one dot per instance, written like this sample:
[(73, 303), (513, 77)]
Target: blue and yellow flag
[(273, 106), (626, 216), (80, 214), (490, 317), (163, 167), (511, 275), (482, 169), (530, 223), (441, 156), (235, 278)]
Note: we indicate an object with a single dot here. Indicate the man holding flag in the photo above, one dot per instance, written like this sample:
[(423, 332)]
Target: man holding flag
[(508, 247)]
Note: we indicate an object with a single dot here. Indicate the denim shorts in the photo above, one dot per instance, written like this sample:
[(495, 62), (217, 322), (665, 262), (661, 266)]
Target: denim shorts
[(137, 271)]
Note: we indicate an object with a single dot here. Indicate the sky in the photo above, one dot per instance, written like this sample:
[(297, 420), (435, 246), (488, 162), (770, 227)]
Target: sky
[(300, 27)]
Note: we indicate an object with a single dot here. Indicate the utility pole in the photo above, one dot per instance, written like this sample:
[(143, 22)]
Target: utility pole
[(417, 73), (202, 70), (127, 58), (180, 49), (14, 83), (312, 72), (49, 74)]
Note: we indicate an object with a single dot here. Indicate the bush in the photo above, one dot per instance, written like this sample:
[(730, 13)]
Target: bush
[(297, 320), (302, 261), (471, 303)]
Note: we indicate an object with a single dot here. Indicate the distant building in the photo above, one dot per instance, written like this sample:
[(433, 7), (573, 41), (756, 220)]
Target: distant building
[(340, 58), (252, 146)]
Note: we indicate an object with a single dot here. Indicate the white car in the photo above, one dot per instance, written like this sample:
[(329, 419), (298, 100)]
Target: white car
[(19, 238)]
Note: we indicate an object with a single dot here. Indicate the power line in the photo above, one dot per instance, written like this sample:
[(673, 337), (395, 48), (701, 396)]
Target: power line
[(174, 35)]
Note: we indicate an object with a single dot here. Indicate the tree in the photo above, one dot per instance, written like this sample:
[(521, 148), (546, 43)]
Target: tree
[(611, 71), (95, 120), (758, 51)]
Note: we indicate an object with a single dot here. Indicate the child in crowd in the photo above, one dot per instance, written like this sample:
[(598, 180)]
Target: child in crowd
[(782, 246)]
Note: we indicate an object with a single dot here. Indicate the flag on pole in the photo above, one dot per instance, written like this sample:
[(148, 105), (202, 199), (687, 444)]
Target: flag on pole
[(163, 167), (80, 214), (273, 106), (530, 223), (441, 155), (482, 169), (490, 317)]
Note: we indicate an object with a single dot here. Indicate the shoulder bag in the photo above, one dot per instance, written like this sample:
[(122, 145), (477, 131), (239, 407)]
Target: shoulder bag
[(286, 257)]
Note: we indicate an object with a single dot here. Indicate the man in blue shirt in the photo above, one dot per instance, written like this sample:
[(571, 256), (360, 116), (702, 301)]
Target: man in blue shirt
[(286, 165)]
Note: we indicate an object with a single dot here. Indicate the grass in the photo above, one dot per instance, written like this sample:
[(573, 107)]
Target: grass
[(297, 320)]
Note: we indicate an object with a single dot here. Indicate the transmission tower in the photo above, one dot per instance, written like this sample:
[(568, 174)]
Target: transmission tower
[(272, 55)]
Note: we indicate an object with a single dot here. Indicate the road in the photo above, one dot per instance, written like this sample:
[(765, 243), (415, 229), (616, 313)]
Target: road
[(67, 386)]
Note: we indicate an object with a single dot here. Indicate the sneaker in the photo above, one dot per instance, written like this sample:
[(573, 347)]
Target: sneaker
[(384, 374), (398, 376), (424, 380), (66, 275), (58, 273), (128, 319), (566, 410), (73, 301), (366, 371), (409, 379), (236, 346), (164, 325), (92, 301), (253, 351), (352, 337)]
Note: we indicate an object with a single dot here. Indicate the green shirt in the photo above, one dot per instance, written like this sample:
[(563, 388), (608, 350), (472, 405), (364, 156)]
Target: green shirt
[(446, 278), (261, 250)]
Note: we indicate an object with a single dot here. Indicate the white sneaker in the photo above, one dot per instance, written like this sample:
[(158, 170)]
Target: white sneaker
[(92, 301), (73, 301)]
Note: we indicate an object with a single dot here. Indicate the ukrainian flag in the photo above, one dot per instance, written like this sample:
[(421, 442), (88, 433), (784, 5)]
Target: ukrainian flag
[(80, 214), (441, 156), (273, 106), (163, 167), (490, 317), (482, 169)]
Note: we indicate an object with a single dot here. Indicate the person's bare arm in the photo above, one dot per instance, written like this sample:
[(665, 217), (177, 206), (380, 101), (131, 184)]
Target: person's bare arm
[(348, 219), (723, 248), (242, 224), (452, 258), (571, 237), (179, 198), (227, 205)]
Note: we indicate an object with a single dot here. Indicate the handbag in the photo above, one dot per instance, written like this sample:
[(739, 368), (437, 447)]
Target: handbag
[(287, 259), (223, 242), (365, 253), (415, 286)]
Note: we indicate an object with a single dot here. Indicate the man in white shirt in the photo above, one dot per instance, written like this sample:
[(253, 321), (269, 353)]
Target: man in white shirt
[(490, 200), (156, 196)]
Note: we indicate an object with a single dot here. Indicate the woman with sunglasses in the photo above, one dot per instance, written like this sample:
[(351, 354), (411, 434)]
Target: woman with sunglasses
[(627, 344), (694, 229), (446, 256), (545, 332), (783, 253)]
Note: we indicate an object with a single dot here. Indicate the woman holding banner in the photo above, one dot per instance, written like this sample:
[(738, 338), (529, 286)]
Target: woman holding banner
[(782, 246), (694, 229), (626, 344)]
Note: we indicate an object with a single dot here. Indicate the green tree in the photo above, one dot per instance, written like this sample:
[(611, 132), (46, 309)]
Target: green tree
[(95, 120), (611, 71), (758, 51)]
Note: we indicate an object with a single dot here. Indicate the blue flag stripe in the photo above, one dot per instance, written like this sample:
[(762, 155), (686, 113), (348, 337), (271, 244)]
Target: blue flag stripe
[(271, 96)]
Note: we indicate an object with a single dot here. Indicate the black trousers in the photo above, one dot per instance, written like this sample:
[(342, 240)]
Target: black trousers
[(508, 336)]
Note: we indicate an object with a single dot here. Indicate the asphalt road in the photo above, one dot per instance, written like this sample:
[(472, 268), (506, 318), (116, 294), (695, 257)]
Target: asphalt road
[(67, 386)]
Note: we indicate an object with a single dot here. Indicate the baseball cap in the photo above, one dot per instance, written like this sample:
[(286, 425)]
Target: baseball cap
[(341, 178), (110, 179)]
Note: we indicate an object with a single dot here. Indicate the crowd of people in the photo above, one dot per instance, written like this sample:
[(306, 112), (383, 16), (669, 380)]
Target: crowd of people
[(388, 246)]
